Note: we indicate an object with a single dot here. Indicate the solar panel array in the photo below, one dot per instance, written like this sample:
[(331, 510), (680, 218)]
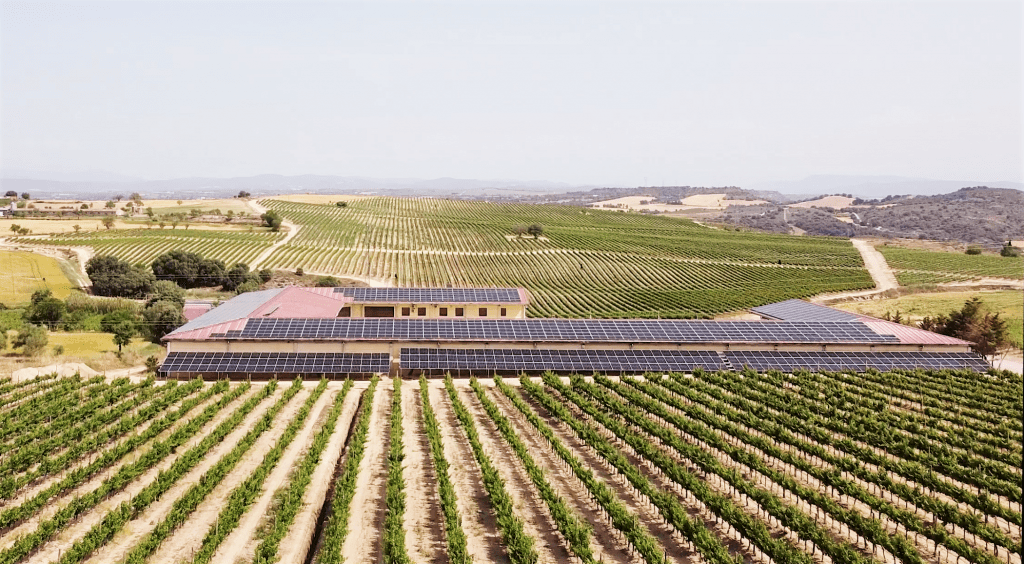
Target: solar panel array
[(559, 330), (835, 361), (277, 363), (432, 295), (532, 360), (799, 310)]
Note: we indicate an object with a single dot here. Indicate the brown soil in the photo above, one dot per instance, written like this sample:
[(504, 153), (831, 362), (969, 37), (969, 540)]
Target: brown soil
[(183, 543), (137, 528), (424, 529), (483, 541), (79, 528), (363, 541), (294, 550)]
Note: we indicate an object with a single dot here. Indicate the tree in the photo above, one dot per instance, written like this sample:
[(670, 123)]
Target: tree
[(272, 220), (45, 309), (179, 202), (166, 291), (243, 194), (137, 198), (971, 323), (1009, 250), (519, 231), (76, 227), (3, 339), (535, 229), (25, 196), (342, 204), (189, 270), (161, 318), (152, 364), (15, 227), (31, 339), (119, 197), (11, 194), (150, 212), (236, 276), (108, 222), (110, 204), (112, 276)]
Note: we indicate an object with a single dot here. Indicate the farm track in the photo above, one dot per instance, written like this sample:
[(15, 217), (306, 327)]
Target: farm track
[(363, 543), (482, 538), (706, 446), (425, 540)]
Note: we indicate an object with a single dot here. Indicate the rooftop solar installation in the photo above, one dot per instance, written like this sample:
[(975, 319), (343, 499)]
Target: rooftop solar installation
[(857, 361), (432, 295), (799, 310), (558, 330), (532, 360), (277, 363)]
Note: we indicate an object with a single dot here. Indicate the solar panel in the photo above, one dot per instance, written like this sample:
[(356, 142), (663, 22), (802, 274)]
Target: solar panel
[(533, 360), (279, 363), (559, 330), (799, 310), (432, 295), (858, 361)]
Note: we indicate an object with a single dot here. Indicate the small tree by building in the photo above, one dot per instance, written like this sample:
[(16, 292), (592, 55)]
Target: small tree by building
[(152, 364), (988, 331)]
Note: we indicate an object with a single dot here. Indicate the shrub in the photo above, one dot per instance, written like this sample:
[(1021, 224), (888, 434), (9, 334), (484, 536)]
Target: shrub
[(266, 274), (300, 272), (58, 350), (1009, 251), (973, 250), (31, 339), (327, 282)]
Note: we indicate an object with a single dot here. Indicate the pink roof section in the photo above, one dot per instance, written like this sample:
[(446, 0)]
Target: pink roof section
[(192, 311), (303, 302), (909, 335), (206, 332)]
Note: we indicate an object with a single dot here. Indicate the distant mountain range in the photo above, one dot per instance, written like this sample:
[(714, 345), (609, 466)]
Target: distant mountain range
[(102, 184), (874, 187)]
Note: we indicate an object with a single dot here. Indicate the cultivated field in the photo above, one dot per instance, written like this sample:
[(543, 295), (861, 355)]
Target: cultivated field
[(23, 273), (914, 266), (589, 263), (143, 245), (714, 467)]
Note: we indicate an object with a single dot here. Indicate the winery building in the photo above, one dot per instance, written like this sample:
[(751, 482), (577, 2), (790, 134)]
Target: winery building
[(357, 332)]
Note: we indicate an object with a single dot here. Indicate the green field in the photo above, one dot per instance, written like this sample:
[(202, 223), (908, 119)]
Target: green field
[(23, 273), (588, 263), (915, 267)]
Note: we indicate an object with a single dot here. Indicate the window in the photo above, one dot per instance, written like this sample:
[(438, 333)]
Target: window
[(379, 311), (443, 312), (483, 312), (406, 311), (504, 312), (421, 311), (345, 312), (459, 312)]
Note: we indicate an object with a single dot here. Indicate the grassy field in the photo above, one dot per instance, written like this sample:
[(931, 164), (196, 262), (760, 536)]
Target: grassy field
[(1009, 304), (589, 263), (22, 273)]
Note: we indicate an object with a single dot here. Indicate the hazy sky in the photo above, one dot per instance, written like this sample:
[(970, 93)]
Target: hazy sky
[(698, 93)]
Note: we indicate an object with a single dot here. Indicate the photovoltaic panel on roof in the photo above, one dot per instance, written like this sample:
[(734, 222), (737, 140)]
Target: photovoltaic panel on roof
[(279, 363), (432, 295), (532, 360), (559, 330), (799, 310), (857, 361)]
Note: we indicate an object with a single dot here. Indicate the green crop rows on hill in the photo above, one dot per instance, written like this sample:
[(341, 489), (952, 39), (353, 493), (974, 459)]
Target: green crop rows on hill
[(932, 267), (143, 245), (587, 263)]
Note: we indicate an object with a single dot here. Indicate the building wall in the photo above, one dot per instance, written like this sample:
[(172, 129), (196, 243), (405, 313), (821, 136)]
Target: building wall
[(471, 311)]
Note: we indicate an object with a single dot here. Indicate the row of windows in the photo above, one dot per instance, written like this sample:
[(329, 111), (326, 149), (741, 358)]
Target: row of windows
[(443, 312)]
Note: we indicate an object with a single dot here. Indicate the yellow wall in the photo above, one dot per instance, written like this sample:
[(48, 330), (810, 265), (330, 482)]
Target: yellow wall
[(513, 311)]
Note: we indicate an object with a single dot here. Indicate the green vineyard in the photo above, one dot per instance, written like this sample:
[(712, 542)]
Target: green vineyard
[(587, 263), (141, 246), (915, 267), (907, 467)]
